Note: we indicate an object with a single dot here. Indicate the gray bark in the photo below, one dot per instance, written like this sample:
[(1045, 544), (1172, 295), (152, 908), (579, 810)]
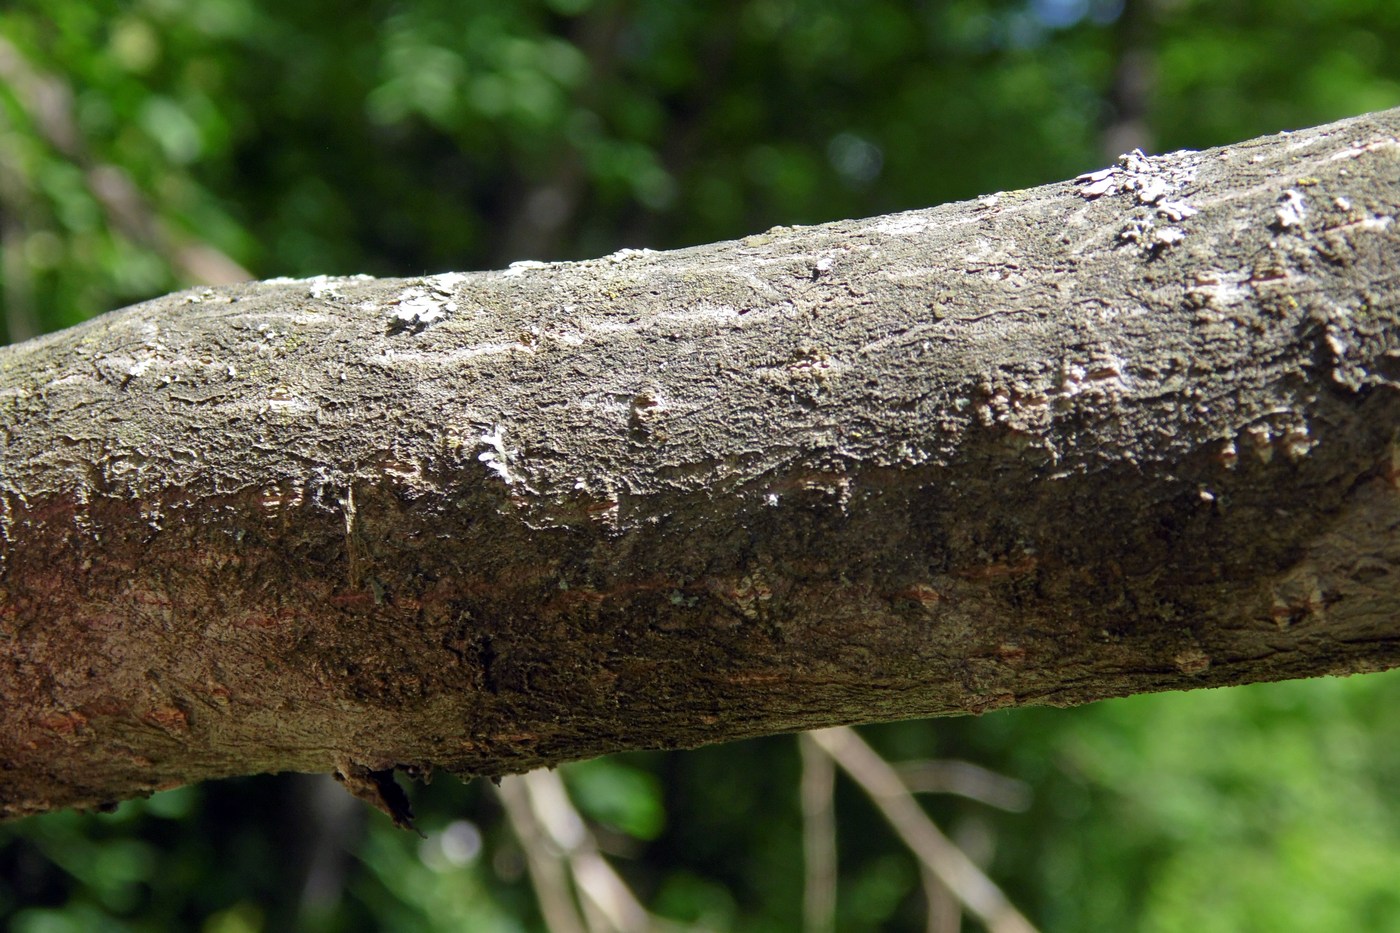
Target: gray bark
[(1127, 433)]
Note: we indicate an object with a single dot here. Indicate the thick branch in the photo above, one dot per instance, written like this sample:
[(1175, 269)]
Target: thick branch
[(1135, 432)]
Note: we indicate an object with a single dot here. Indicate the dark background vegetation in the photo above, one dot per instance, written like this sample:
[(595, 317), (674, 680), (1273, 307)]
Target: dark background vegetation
[(155, 144)]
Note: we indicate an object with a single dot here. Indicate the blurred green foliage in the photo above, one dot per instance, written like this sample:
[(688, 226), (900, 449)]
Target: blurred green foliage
[(154, 144)]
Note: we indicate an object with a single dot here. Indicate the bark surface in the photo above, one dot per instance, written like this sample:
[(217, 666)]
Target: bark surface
[(1132, 432)]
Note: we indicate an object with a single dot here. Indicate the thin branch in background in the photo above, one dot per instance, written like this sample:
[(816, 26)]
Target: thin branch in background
[(551, 202), (944, 911), (974, 782), (966, 780), (329, 821), (690, 117), (553, 832), (48, 101), (21, 322), (547, 872), (977, 893), (818, 837), (598, 885), (16, 285), (1129, 95)]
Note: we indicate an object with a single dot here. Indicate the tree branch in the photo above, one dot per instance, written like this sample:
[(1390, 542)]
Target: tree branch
[(1134, 432)]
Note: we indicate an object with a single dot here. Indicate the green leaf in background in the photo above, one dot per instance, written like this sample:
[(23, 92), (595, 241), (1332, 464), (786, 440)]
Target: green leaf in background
[(618, 795)]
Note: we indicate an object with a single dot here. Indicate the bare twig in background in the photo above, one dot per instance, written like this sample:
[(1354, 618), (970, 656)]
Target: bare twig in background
[(944, 911), (818, 837), (328, 823), (551, 200), (601, 890), (49, 103), (978, 893), (966, 780), (1129, 94), (974, 782), (21, 322), (551, 831), (547, 872)]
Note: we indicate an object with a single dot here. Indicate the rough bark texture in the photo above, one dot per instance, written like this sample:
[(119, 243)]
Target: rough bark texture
[(1133, 432)]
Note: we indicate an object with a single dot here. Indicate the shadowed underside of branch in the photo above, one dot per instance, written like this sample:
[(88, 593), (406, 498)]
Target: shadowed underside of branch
[(1131, 432)]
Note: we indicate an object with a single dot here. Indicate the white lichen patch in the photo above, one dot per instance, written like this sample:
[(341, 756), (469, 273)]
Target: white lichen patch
[(446, 283), (140, 368), (421, 305), (497, 456), (1135, 173), (1168, 236), (1151, 190), (1175, 210), (1359, 148), (202, 295), (1219, 289), (325, 290), (1148, 237), (1291, 210), (319, 279), (626, 254), (1098, 183), (325, 287), (1150, 182), (520, 267), (907, 223)]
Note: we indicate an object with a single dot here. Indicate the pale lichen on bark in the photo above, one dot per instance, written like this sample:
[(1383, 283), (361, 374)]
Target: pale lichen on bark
[(1130, 432)]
